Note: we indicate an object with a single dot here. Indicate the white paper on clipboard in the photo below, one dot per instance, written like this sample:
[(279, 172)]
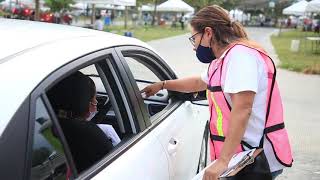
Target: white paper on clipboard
[(236, 159)]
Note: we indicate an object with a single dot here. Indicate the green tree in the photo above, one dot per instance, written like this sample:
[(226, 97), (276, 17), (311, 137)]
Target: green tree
[(230, 4), (141, 2), (58, 5)]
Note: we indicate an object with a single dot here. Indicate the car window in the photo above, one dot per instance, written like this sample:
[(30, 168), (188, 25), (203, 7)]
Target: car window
[(104, 102), (90, 120), (90, 70), (144, 75), (140, 71), (48, 158)]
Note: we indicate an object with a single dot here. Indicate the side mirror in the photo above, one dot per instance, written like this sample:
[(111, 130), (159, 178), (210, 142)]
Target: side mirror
[(194, 96)]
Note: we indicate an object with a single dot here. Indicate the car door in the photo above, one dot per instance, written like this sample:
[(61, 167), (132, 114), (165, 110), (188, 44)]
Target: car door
[(140, 154), (179, 125)]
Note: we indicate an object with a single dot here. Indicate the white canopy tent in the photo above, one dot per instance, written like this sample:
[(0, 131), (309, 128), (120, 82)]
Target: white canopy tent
[(110, 6), (6, 3), (238, 15), (147, 8), (28, 3), (175, 6), (110, 2), (103, 3), (83, 5), (298, 8), (79, 5), (314, 6)]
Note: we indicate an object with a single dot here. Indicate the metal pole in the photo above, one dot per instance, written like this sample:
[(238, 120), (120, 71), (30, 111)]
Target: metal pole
[(154, 13), (37, 10), (93, 15), (126, 17), (10, 6)]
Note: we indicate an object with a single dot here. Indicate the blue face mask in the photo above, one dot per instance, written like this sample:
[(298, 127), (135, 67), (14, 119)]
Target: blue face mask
[(205, 54)]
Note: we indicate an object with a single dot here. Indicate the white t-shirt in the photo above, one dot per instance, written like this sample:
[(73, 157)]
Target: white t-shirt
[(246, 72), (110, 133), (98, 25)]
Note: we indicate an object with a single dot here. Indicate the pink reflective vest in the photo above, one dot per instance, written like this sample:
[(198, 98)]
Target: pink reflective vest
[(220, 112)]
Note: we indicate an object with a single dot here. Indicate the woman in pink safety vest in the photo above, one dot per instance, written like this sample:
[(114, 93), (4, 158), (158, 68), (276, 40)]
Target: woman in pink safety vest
[(244, 100)]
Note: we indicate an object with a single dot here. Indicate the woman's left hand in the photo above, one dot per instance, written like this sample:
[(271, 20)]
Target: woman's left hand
[(214, 171)]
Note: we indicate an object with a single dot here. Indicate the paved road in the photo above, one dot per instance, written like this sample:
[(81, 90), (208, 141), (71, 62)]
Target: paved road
[(300, 93)]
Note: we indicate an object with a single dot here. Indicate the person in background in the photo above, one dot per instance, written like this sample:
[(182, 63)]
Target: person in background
[(112, 16), (182, 21), (98, 24)]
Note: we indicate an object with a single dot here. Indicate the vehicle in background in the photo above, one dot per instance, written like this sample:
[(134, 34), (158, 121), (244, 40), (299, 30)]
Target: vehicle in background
[(46, 17)]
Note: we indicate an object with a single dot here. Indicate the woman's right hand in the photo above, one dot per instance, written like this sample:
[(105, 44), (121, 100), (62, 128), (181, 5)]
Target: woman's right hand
[(152, 89)]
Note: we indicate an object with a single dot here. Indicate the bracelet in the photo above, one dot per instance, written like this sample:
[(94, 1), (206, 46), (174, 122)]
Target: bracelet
[(163, 83)]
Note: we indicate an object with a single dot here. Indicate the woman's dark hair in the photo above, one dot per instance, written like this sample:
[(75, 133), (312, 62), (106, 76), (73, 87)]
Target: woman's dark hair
[(73, 95), (218, 19)]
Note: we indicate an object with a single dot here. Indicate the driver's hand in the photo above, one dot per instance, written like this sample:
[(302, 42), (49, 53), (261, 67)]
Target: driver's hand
[(152, 89)]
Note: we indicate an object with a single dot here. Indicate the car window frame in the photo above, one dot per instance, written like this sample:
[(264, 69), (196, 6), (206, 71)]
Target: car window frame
[(14, 139), (165, 73), (50, 81)]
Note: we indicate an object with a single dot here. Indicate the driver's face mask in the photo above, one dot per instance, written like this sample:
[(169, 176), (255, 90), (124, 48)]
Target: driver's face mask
[(92, 114)]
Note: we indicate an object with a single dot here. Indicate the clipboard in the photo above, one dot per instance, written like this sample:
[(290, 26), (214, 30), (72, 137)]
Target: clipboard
[(236, 164)]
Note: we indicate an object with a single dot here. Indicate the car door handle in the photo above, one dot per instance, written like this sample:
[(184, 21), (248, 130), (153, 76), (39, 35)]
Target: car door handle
[(173, 146)]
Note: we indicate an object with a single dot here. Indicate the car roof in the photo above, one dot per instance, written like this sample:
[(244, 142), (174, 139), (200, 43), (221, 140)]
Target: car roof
[(20, 35), (30, 51)]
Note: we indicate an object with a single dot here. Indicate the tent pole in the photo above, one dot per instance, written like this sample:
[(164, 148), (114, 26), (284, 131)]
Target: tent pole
[(126, 17), (93, 18), (37, 10), (154, 13)]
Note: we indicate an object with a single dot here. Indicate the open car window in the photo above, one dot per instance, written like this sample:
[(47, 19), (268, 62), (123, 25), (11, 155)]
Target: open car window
[(87, 116), (91, 137), (105, 109), (144, 75), (140, 71)]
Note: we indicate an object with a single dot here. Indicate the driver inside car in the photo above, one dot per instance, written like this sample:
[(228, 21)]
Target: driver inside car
[(95, 116), (74, 101)]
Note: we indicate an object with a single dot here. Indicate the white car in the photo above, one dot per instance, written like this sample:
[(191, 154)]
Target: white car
[(162, 137)]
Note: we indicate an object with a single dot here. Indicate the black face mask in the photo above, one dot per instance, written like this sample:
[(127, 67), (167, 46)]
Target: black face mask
[(205, 54)]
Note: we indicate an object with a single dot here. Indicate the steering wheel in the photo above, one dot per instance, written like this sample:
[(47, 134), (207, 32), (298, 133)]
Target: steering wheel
[(103, 107)]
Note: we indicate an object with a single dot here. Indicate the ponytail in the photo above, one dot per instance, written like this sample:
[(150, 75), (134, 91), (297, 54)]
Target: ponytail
[(239, 30)]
